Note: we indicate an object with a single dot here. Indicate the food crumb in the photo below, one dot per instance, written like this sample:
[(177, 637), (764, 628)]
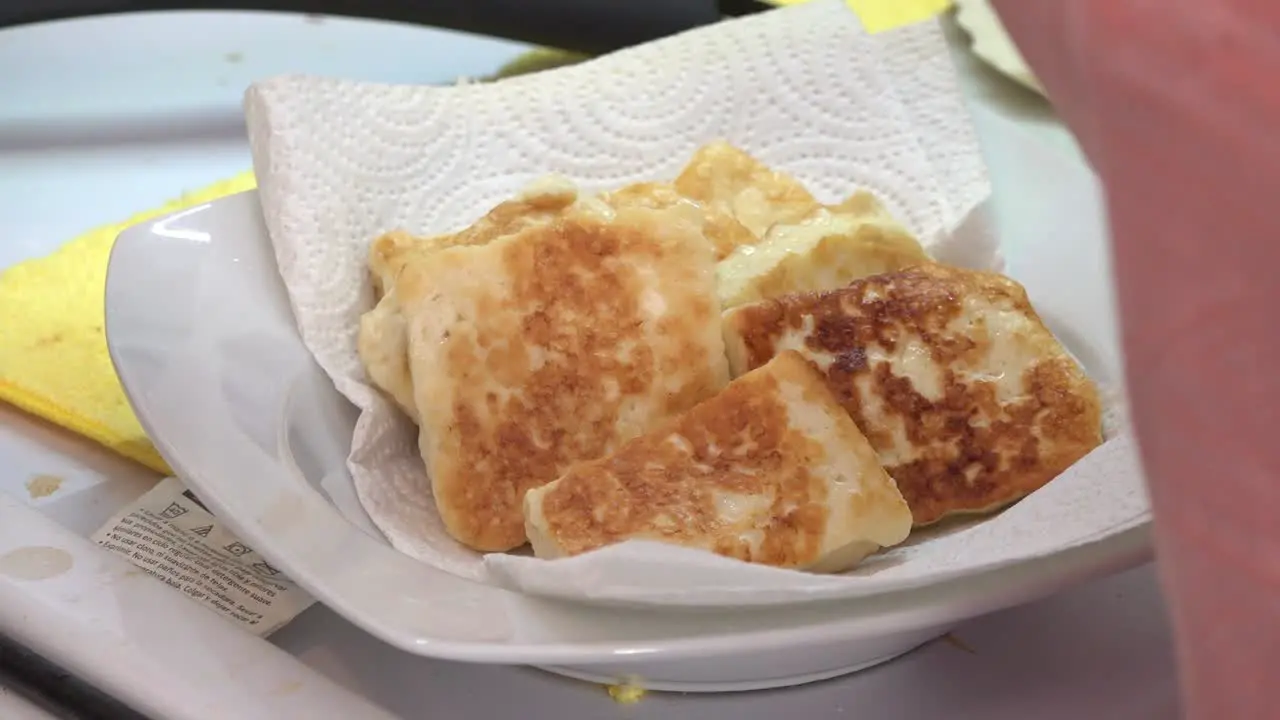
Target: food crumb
[(289, 688), (957, 642), (42, 486), (627, 692)]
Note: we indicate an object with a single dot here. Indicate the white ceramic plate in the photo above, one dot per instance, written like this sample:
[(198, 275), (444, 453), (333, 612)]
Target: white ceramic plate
[(202, 336)]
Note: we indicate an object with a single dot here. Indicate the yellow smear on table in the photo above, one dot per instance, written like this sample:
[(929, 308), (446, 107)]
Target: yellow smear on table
[(626, 693), (42, 486)]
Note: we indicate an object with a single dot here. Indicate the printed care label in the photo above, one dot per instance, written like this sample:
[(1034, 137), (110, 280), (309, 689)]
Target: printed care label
[(171, 536)]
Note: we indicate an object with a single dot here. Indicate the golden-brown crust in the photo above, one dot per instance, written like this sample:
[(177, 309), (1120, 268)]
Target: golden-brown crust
[(878, 248), (384, 351), (825, 252), (862, 203), (388, 254), (994, 408), (541, 201), (724, 177), (670, 484), (380, 341), (551, 346), (725, 233)]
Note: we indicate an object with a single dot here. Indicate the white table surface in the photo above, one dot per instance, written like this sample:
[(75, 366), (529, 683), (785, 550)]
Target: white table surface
[(104, 117)]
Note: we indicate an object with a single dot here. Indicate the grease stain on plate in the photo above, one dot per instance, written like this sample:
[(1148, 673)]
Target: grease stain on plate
[(42, 486), (36, 562)]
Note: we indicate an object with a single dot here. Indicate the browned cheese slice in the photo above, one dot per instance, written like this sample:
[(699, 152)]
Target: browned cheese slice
[(969, 400), (381, 341), (772, 470), (727, 179), (554, 345), (722, 229), (828, 249)]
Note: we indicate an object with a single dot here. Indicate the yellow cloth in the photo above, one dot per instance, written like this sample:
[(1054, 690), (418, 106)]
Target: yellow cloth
[(881, 15), (53, 354)]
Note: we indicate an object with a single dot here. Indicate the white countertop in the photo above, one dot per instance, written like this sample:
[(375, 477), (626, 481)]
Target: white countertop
[(110, 116)]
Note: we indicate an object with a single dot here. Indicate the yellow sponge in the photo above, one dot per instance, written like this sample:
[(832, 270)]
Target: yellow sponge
[(53, 354), (881, 15)]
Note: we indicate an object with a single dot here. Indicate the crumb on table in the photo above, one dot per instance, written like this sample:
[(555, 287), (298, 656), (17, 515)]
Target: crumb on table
[(627, 692)]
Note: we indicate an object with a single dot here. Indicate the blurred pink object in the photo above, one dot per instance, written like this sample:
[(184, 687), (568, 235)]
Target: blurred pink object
[(1176, 105)]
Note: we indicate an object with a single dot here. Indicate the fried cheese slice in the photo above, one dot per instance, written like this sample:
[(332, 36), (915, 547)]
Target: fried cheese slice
[(380, 341), (772, 471), (722, 229), (728, 179), (827, 250), (969, 400), (554, 345)]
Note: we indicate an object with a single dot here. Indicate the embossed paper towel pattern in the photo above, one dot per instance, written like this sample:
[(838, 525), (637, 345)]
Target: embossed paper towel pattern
[(806, 89)]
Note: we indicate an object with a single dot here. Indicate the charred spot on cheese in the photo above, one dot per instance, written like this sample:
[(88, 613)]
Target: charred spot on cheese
[(967, 397)]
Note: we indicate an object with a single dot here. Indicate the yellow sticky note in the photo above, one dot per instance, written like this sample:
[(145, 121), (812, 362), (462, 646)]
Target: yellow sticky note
[(880, 15), (53, 353)]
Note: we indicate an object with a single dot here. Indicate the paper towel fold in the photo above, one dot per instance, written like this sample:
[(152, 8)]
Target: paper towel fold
[(805, 89)]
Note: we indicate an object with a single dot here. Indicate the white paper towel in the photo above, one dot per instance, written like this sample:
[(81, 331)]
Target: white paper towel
[(805, 89)]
